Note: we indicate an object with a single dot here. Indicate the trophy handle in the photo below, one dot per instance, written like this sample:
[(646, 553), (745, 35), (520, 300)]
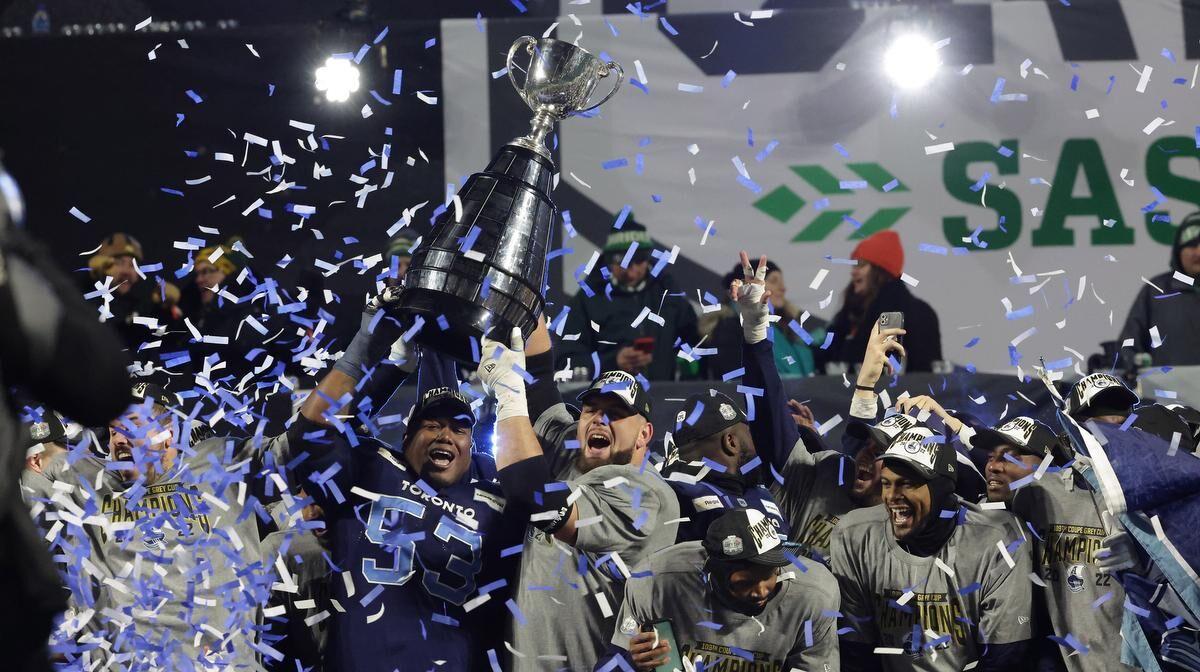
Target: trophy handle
[(611, 65), (527, 42)]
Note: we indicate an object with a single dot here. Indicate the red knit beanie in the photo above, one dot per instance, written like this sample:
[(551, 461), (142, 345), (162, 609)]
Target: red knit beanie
[(884, 250)]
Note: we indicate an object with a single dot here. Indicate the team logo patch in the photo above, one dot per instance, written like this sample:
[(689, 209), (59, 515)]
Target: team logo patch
[(1075, 578), (629, 626), (727, 412), (732, 545), (39, 431), (680, 417)]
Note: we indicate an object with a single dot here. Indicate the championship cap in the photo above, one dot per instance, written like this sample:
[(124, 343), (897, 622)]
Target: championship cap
[(155, 393), (623, 386), (443, 402), (704, 415), (48, 430), (745, 534), (1023, 433), (1164, 423), (885, 431), (1100, 390), (929, 453)]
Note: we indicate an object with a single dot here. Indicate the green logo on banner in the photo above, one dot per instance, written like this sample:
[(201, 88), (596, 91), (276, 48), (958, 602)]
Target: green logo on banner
[(782, 204)]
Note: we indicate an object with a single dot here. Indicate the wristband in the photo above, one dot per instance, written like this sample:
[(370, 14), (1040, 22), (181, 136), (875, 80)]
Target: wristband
[(864, 388)]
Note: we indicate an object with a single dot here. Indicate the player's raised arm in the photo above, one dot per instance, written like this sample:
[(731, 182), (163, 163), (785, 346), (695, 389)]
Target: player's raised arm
[(772, 427)]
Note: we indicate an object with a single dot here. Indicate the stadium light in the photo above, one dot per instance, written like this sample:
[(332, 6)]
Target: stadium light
[(338, 78), (911, 61)]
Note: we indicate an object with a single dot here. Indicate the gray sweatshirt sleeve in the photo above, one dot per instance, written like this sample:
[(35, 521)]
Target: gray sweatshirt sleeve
[(623, 509), (1007, 598)]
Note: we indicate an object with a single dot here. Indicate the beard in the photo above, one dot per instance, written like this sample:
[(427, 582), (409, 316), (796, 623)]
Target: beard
[(584, 464)]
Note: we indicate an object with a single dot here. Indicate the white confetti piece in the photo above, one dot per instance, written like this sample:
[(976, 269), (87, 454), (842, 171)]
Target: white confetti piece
[(1153, 125), (1004, 553), (939, 149), (1143, 78), (1155, 338), (1185, 279), (1092, 113), (142, 24), (909, 280), (820, 277), (78, 214), (253, 50)]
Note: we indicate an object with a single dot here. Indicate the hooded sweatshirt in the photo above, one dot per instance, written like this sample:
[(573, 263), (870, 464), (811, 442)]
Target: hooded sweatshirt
[(1175, 311)]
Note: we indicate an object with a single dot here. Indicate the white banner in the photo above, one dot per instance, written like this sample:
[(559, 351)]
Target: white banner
[(1078, 158)]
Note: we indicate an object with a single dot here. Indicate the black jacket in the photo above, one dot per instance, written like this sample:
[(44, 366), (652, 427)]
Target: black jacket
[(1176, 313), (615, 316), (922, 342)]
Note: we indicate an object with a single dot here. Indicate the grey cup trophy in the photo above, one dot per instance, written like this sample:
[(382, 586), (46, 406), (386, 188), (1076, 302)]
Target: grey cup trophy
[(482, 269)]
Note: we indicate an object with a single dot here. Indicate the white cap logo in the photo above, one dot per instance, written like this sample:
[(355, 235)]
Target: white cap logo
[(732, 545), (39, 431), (727, 412), (680, 417)]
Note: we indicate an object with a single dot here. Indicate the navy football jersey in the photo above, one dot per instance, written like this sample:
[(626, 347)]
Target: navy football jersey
[(703, 501), (422, 580)]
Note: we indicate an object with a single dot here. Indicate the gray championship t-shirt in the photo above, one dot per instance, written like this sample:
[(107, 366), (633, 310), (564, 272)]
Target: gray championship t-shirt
[(814, 496), (1080, 601), (177, 565), (796, 630), (569, 595), (933, 613)]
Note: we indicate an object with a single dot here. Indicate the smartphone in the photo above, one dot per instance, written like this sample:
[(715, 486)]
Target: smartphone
[(666, 631), (644, 344), (893, 320)]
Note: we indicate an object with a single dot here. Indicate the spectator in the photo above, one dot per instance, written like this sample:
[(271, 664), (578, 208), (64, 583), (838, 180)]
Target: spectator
[(606, 313), (875, 288), (210, 313), (945, 590), (722, 330), (780, 620), (1172, 306), (397, 257), (117, 258), (303, 625)]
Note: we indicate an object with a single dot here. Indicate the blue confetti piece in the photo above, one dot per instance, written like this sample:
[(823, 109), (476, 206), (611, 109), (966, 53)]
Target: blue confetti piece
[(891, 185), (382, 34), (1004, 151), (821, 204), (933, 249), (828, 340), (621, 217), (667, 26), (397, 82), (1102, 599), (1018, 314), (852, 184), (997, 90), (194, 96), (750, 137), (615, 163), (173, 192), (370, 596), (837, 146), (381, 99), (639, 85), (766, 151), (1166, 53), (972, 343), (1112, 81), (270, 90), (967, 590), (1075, 82), (430, 42), (178, 119), (749, 184), (736, 373), (728, 79), (751, 465)]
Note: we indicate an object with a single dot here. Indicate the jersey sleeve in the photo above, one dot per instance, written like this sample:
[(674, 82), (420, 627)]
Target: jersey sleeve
[(856, 607), (637, 607), (325, 463), (1006, 601), (555, 428), (771, 425), (816, 646), (622, 510)]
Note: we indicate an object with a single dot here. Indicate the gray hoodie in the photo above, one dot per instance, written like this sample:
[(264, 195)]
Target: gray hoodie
[(1175, 310), (176, 567)]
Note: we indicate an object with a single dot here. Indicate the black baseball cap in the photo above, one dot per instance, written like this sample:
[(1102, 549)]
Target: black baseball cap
[(745, 535), (886, 430), (1164, 423), (1189, 415), (1100, 390), (930, 454), (443, 402), (623, 386), (49, 429), (1022, 432), (704, 415), (155, 393)]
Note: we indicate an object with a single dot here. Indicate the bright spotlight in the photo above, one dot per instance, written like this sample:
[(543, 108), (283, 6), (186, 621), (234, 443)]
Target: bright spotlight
[(338, 78), (911, 61)]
